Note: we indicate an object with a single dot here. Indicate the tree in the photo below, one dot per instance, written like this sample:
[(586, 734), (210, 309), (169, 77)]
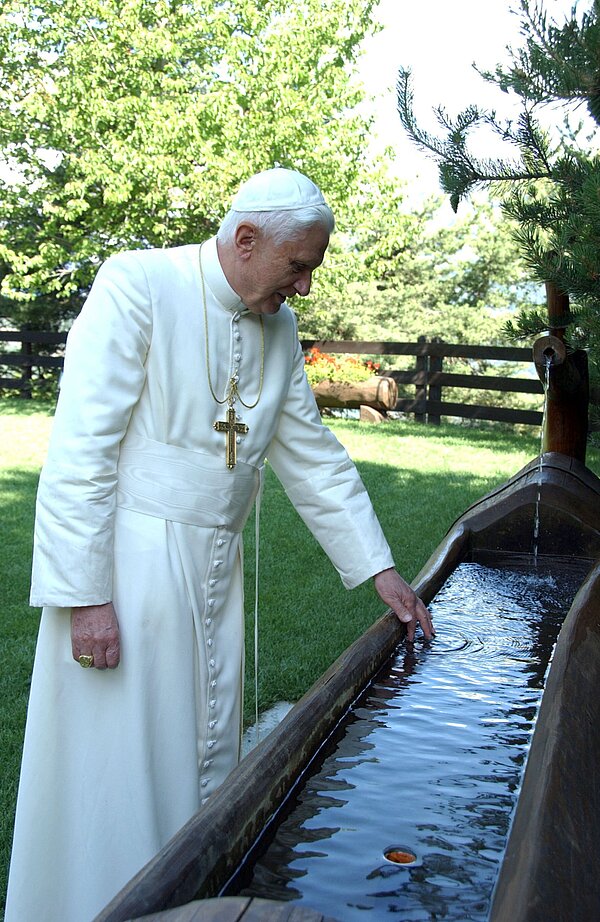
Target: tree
[(129, 123), (412, 275), (549, 187)]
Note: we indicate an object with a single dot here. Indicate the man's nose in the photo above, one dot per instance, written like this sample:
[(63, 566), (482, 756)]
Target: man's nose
[(302, 285)]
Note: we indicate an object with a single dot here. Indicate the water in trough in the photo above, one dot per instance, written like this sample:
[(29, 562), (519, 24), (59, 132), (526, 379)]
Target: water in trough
[(428, 762)]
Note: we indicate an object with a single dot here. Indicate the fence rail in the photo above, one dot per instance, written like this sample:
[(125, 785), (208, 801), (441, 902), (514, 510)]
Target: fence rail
[(427, 377), (26, 359)]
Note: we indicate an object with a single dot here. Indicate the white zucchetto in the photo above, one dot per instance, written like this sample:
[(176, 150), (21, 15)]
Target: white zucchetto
[(278, 189)]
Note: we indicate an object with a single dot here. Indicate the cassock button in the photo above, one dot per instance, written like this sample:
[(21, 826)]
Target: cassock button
[(212, 702), (212, 582), (208, 622), (207, 762), (212, 663), (211, 602), (209, 642), (210, 744), (220, 542), (212, 724), (213, 684), (237, 334), (204, 800), (217, 563), (204, 782), (237, 356)]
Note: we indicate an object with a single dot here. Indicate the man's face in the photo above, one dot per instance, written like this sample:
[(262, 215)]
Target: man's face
[(274, 272)]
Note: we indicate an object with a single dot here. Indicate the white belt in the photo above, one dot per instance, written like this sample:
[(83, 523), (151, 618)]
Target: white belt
[(184, 485)]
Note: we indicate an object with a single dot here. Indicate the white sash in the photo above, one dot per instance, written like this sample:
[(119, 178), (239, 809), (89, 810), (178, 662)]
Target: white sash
[(184, 485)]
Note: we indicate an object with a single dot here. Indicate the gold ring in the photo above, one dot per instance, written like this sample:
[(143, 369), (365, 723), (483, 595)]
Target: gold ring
[(86, 661)]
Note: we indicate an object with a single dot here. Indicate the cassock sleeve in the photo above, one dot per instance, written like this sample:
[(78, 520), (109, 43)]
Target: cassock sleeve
[(325, 487), (103, 377)]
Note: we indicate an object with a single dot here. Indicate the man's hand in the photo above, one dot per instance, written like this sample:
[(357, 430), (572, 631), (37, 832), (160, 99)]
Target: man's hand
[(396, 593), (95, 632)]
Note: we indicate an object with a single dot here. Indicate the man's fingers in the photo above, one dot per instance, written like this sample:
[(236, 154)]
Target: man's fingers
[(95, 632), (103, 657), (426, 622), (422, 616), (99, 658), (409, 609), (113, 655)]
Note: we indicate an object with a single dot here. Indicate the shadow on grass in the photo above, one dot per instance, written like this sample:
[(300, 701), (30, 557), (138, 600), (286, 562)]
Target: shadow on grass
[(14, 406)]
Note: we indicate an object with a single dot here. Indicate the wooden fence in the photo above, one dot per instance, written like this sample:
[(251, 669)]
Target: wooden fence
[(28, 358), (428, 378), (41, 350)]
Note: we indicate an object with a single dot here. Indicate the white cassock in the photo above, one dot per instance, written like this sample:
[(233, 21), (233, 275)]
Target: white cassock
[(136, 505)]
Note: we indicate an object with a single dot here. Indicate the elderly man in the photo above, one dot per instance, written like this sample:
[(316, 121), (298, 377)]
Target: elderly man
[(183, 373)]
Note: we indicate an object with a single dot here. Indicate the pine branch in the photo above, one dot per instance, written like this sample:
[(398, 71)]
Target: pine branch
[(557, 64), (460, 172)]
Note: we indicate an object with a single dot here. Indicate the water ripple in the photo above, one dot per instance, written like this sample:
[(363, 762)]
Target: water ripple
[(430, 759)]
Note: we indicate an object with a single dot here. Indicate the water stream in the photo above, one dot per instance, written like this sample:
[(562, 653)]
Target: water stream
[(428, 761), (536, 520)]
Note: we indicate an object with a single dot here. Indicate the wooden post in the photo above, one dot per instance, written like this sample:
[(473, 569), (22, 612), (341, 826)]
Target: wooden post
[(26, 372), (435, 390), (567, 395), (421, 365), (557, 304)]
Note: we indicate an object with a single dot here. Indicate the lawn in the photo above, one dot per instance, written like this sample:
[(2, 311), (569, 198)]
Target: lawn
[(420, 480)]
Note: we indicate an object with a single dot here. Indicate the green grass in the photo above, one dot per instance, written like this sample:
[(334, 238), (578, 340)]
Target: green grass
[(24, 429), (420, 480)]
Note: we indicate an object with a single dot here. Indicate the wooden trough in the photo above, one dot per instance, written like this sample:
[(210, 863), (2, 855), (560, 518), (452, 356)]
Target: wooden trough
[(549, 871)]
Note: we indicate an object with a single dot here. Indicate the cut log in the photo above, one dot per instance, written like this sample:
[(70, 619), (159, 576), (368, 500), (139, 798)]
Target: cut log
[(378, 392), (371, 415)]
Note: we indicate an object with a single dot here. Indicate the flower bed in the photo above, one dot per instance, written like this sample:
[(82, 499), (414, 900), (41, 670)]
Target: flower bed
[(342, 369)]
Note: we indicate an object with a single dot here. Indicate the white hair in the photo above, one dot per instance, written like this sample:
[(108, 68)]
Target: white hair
[(277, 225)]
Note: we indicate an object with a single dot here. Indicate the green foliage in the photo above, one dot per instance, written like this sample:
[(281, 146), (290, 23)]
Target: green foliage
[(551, 193), (130, 123), (413, 276)]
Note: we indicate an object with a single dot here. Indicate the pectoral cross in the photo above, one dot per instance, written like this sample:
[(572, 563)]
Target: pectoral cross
[(230, 428)]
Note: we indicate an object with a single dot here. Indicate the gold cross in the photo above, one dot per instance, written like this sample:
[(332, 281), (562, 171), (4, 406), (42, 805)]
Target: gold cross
[(230, 428)]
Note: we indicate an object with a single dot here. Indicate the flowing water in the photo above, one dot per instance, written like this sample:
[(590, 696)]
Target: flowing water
[(536, 518), (428, 762)]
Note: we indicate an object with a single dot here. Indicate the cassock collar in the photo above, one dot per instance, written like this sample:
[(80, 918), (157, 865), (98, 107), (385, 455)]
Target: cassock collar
[(215, 279)]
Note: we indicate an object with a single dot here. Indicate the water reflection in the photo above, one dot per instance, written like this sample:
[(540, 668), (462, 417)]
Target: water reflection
[(431, 757)]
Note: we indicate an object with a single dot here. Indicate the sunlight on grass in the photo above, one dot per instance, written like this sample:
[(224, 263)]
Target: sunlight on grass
[(442, 449), (24, 436)]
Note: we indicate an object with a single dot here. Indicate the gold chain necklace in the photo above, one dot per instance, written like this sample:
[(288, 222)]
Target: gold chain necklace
[(230, 426)]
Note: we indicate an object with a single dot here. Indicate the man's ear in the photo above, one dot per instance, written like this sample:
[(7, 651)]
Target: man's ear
[(245, 239)]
